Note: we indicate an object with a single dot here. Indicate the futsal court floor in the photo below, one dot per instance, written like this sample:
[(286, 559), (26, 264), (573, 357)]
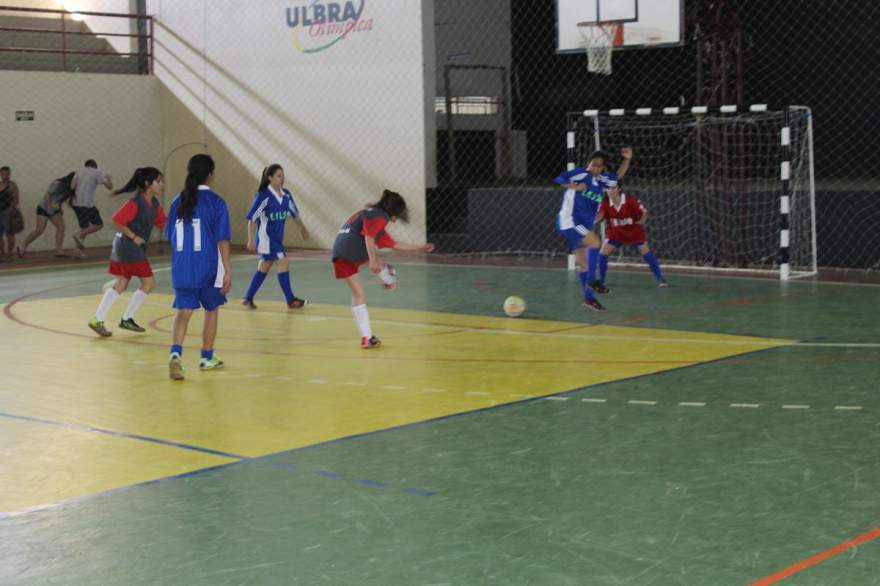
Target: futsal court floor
[(724, 431)]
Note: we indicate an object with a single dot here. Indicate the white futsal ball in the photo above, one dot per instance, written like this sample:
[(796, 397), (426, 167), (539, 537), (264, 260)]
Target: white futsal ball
[(388, 276), (514, 306)]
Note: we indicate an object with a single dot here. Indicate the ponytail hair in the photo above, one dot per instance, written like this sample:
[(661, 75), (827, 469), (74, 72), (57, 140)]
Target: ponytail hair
[(199, 168), (141, 179), (393, 204), (68, 191), (268, 172)]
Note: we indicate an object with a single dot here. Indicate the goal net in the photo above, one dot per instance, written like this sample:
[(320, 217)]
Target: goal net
[(726, 191)]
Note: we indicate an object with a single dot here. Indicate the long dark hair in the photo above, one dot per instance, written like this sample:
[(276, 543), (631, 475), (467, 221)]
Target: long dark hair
[(199, 168), (268, 172), (141, 179), (68, 191), (599, 155), (393, 204)]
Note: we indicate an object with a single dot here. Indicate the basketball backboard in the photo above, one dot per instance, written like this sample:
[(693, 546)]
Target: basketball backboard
[(647, 23)]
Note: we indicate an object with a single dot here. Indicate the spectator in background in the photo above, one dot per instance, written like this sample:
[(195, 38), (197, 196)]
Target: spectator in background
[(49, 210), (8, 205), (87, 181)]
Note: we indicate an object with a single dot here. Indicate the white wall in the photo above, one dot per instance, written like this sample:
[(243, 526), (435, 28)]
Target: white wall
[(113, 119), (345, 121)]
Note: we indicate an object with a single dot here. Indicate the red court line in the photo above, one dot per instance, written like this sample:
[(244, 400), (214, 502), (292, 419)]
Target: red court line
[(9, 314), (818, 558)]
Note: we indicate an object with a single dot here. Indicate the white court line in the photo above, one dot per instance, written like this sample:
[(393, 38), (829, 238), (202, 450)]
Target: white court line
[(556, 398), (283, 378), (795, 406), (433, 390), (692, 404), (317, 381), (840, 344), (588, 400), (355, 384), (745, 405), (639, 402), (847, 408)]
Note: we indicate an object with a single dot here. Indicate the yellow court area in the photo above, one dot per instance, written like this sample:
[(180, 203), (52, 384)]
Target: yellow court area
[(291, 380)]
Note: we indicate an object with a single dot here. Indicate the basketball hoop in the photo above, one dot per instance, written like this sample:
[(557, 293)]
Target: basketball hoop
[(599, 39)]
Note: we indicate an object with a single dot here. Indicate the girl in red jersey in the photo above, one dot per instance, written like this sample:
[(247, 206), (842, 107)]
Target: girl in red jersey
[(358, 242), (134, 222), (625, 217)]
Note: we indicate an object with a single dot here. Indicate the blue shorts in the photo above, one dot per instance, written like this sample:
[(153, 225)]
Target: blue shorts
[(272, 257), (208, 297), (574, 237)]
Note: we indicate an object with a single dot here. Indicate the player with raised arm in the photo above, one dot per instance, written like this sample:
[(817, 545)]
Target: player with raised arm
[(626, 218)]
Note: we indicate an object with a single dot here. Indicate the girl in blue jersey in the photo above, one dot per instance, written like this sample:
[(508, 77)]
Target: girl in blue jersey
[(273, 204), (584, 190), (199, 232)]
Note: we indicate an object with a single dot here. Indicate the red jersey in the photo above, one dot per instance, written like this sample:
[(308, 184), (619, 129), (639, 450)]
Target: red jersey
[(621, 220)]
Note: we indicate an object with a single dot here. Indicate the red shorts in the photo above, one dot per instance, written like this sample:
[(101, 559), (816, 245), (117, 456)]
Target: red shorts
[(127, 270), (345, 268)]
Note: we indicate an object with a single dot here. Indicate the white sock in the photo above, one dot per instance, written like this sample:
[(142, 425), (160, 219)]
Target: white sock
[(136, 301), (107, 301), (363, 320)]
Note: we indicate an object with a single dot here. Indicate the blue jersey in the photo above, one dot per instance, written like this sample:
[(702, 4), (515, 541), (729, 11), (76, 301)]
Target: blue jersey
[(579, 208), (195, 255), (270, 211)]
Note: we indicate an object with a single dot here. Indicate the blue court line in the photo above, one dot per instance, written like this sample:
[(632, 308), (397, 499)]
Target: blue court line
[(168, 443), (122, 434), (412, 491)]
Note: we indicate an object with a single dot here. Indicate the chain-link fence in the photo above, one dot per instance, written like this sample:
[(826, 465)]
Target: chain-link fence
[(256, 83), (496, 161)]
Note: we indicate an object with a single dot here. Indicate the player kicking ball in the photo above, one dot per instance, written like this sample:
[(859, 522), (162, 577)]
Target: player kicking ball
[(358, 243), (625, 216)]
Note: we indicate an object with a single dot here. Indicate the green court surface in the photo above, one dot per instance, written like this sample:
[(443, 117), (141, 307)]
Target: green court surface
[(723, 431)]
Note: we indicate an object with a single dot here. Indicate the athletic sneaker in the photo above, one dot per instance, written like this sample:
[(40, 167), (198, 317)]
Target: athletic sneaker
[(594, 305), (98, 328), (371, 342), (297, 303), (210, 363), (78, 242), (249, 303), (131, 325), (175, 367), (662, 284), (599, 287)]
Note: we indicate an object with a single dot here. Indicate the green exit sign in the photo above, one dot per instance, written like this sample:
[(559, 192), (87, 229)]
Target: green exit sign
[(24, 115)]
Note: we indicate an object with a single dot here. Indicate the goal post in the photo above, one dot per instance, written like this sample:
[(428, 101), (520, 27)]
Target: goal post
[(726, 189)]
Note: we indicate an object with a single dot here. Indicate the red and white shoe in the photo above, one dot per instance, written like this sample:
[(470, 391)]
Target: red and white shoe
[(371, 342)]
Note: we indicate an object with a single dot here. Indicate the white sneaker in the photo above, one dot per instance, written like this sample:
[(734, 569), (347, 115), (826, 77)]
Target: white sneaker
[(210, 363)]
